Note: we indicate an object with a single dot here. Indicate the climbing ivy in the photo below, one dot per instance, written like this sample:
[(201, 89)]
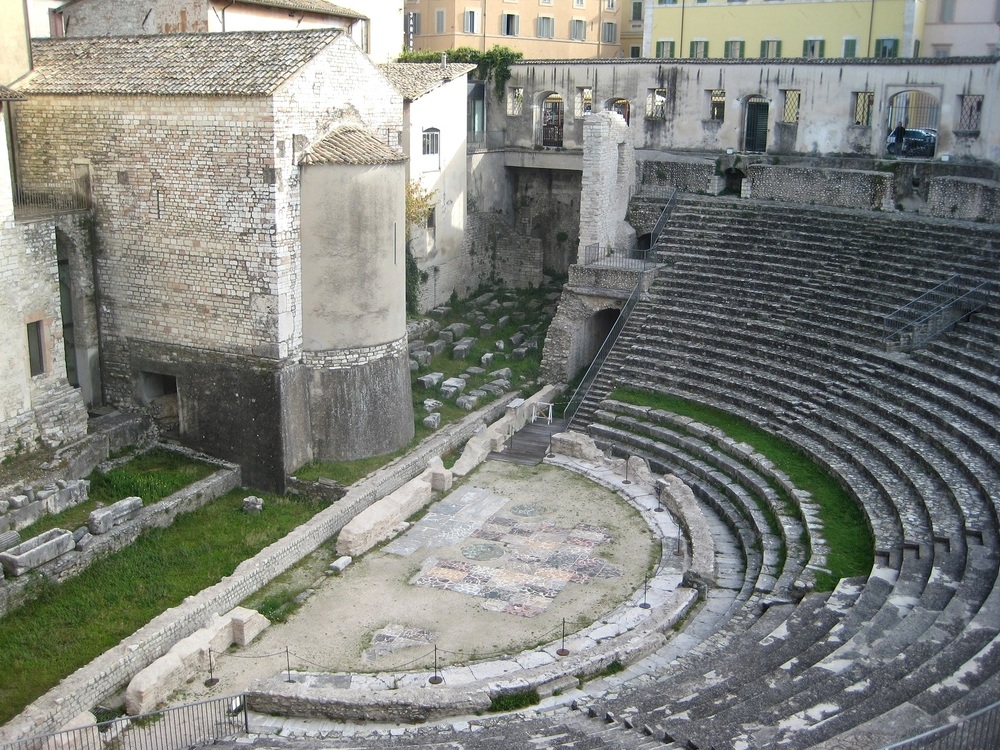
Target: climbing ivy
[(493, 65), (419, 204)]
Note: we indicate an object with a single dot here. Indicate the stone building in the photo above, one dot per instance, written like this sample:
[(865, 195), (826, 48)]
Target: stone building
[(217, 309), (434, 127), (80, 18)]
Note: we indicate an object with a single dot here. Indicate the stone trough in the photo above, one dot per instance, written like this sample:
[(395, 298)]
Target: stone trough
[(36, 551)]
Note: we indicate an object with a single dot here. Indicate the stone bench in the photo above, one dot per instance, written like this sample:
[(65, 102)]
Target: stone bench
[(36, 551)]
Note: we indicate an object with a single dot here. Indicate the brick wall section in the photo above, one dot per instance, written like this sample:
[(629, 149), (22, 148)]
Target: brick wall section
[(112, 670), (828, 187), (608, 176), (964, 198), (346, 358)]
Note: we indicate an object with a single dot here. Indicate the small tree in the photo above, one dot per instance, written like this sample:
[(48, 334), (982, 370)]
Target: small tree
[(419, 204)]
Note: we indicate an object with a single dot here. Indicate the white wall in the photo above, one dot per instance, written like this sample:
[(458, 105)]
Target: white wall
[(386, 31)]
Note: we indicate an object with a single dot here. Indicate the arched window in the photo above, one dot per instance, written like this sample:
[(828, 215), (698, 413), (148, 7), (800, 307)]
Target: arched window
[(432, 142)]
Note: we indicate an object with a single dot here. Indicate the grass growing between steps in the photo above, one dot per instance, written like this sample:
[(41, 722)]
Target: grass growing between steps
[(72, 623), (151, 476), (852, 548)]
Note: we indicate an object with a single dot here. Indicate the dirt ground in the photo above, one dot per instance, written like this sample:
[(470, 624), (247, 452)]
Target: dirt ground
[(374, 603)]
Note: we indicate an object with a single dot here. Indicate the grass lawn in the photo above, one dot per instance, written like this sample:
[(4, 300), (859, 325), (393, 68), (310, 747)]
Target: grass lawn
[(852, 548), (73, 623), (151, 476)]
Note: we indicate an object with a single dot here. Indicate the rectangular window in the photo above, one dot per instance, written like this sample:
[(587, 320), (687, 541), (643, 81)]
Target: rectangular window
[(864, 102), (717, 105), (666, 2), (609, 32), (545, 2), (509, 24), (972, 110), (36, 350), (770, 49), (665, 48), (790, 112), (886, 48), (813, 48), (734, 49), (699, 49), (470, 22), (609, 4), (947, 14), (578, 29), (439, 22), (577, 3), (515, 101), (584, 101), (656, 104), (431, 141), (413, 23), (850, 48), (546, 27), (635, 52), (941, 50), (637, 10)]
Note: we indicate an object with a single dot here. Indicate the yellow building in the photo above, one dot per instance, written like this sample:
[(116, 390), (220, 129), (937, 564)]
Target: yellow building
[(566, 29), (784, 28)]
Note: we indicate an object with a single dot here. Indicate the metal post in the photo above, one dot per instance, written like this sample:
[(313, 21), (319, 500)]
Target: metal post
[(659, 502), (645, 585), (436, 679), (212, 679), (562, 650), (678, 550), (288, 665), (626, 471)]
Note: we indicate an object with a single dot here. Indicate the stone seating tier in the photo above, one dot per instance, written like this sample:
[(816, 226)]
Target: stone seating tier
[(775, 314)]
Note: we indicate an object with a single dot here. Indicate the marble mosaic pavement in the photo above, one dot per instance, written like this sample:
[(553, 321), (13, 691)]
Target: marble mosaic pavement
[(512, 559)]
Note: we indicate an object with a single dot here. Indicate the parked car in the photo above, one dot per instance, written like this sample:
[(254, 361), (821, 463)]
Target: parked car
[(916, 142)]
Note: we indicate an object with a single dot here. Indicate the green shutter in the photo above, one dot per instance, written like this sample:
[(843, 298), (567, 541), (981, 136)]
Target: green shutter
[(850, 47), (777, 49), (743, 49), (822, 47), (805, 48), (691, 50), (763, 48)]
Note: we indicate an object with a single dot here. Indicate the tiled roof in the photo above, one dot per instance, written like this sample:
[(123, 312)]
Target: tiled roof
[(244, 63), (350, 144), (310, 6), (7, 94), (413, 80)]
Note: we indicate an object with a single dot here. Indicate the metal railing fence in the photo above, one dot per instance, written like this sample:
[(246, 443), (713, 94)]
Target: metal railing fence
[(580, 394), (977, 731), (39, 200), (664, 218), (193, 725), (921, 320), (607, 256)]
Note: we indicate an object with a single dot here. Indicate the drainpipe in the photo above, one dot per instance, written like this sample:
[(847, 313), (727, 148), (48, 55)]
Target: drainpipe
[(680, 52), (871, 25), (231, 4), (485, 8)]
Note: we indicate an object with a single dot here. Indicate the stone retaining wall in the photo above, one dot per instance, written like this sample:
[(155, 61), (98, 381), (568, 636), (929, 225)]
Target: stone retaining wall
[(849, 188), (111, 671), (14, 592), (964, 198)]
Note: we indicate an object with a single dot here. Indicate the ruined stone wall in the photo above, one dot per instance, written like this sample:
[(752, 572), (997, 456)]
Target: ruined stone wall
[(827, 187), (964, 198), (41, 407), (608, 179), (546, 205)]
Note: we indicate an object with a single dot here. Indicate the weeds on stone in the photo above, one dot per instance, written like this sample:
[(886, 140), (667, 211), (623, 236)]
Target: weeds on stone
[(514, 701)]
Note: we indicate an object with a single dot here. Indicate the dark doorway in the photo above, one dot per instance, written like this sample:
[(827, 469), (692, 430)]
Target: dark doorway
[(734, 181), (755, 126), (552, 121), (158, 392)]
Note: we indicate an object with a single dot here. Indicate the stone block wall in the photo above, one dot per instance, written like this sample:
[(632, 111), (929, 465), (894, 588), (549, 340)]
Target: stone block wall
[(964, 198), (608, 179), (848, 188), (123, 17)]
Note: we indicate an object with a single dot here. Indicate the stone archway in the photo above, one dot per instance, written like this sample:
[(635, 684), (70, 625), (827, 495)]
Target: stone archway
[(621, 107), (578, 329)]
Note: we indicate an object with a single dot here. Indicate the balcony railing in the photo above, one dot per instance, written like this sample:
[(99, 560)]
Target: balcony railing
[(40, 201)]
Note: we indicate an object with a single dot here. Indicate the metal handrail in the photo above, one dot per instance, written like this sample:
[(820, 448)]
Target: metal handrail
[(914, 325), (178, 728), (664, 217), (608, 256), (583, 390), (979, 729)]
